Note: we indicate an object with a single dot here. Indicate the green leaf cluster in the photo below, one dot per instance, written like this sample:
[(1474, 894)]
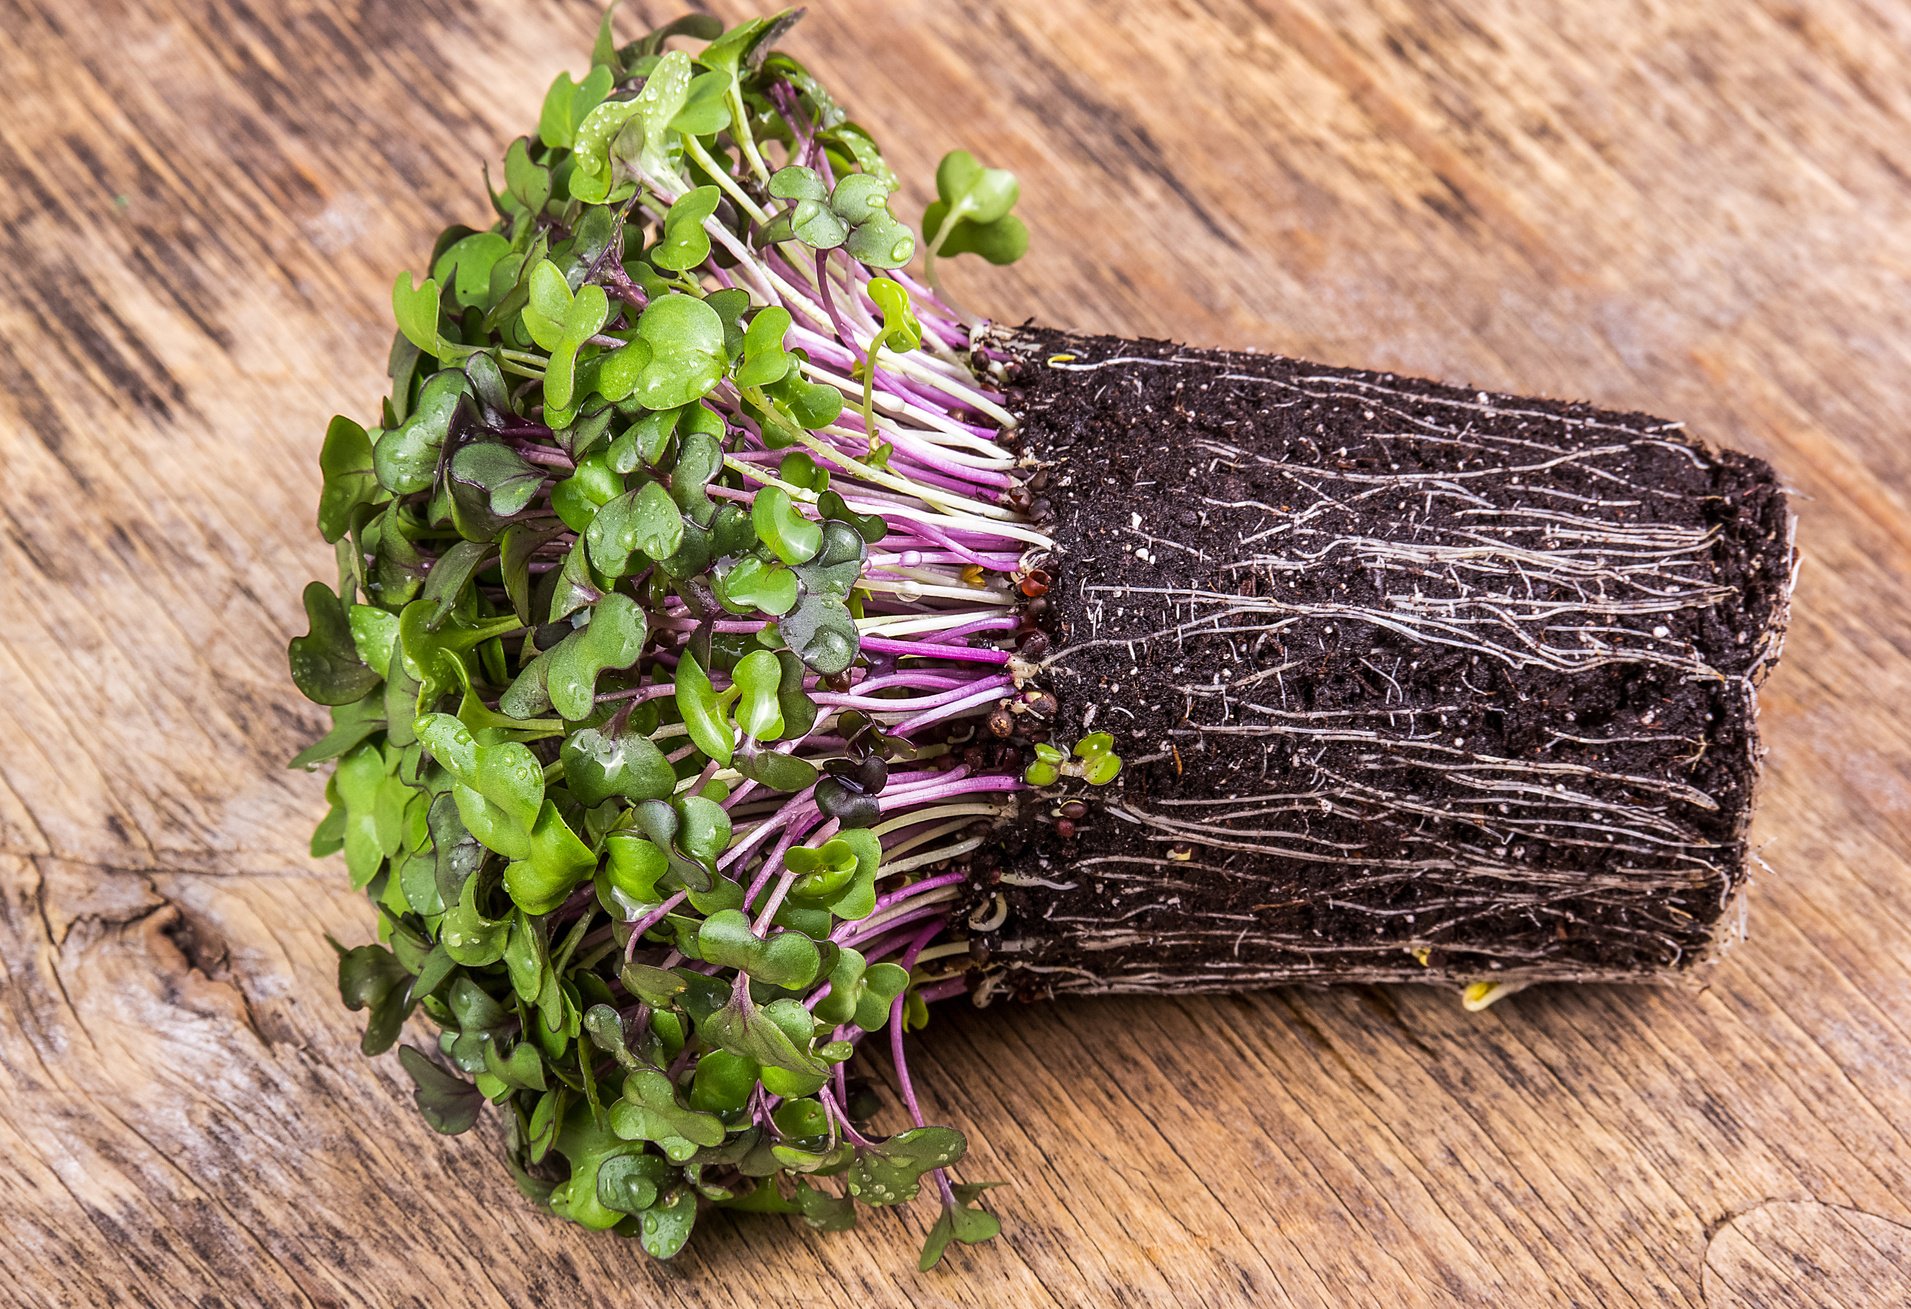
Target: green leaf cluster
[(568, 623)]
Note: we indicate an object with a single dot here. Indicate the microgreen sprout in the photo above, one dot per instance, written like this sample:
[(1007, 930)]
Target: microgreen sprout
[(655, 684), (1094, 762)]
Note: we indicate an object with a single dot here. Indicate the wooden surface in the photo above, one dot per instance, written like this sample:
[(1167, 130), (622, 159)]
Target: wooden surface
[(1702, 209)]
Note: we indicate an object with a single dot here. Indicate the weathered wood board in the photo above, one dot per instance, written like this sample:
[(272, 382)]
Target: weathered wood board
[(1700, 209)]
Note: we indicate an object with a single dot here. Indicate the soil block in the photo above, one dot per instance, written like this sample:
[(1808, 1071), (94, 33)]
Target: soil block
[(1411, 682)]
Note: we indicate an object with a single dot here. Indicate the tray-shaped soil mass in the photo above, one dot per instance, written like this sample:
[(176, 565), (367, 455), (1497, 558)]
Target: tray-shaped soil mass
[(1412, 682)]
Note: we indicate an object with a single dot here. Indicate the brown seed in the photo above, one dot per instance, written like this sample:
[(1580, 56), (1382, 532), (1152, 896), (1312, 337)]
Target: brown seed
[(1041, 704), (1034, 646), (1075, 809), (1037, 582), (1019, 498), (1002, 724), (1065, 828)]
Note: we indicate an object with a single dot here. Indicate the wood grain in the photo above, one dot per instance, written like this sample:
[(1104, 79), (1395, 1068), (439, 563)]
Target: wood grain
[(1701, 209)]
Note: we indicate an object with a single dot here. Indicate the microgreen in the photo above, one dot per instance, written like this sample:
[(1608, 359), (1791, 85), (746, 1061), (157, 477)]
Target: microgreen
[(971, 213), (611, 750), (1094, 762)]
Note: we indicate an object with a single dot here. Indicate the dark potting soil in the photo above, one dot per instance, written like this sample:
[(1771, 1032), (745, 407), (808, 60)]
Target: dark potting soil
[(1411, 681)]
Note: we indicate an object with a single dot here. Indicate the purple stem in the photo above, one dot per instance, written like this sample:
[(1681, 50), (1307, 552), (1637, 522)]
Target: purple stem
[(649, 921), (927, 650), (902, 1065)]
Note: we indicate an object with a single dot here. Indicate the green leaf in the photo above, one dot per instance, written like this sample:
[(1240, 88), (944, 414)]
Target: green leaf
[(845, 979), (506, 480), (971, 212), (604, 48), (325, 663), (785, 959), (642, 444), (882, 243), (859, 197), (590, 486), (644, 523), (500, 786), (374, 634), (665, 1227), (825, 1212), (764, 359), (541, 1135), (607, 1032), (448, 580), (880, 987), (527, 185), (650, 1111), (590, 180), (723, 1082), (744, 46), (703, 715), (684, 244), (774, 769), (959, 1222), (345, 460), (703, 828), (813, 405), (798, 183), (466, 267), (472, 939), (634, 865), (794, 538), (351, 723), (901, 328), (629, 1183), (370, 977), (415, 308), (754, 1032), (448, 1102), (758, 678), (599, 765), (522, 541), (751, 585), (665, 93), (568, 103), (406, 458), (613, 639), (678, 355), (891, 1173), (837, 564), (561, 322), (576, 587), (458, 856), (556, 861), (523, 1070), (822, 633), (699, 460), (870, 527), (705, 110)]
